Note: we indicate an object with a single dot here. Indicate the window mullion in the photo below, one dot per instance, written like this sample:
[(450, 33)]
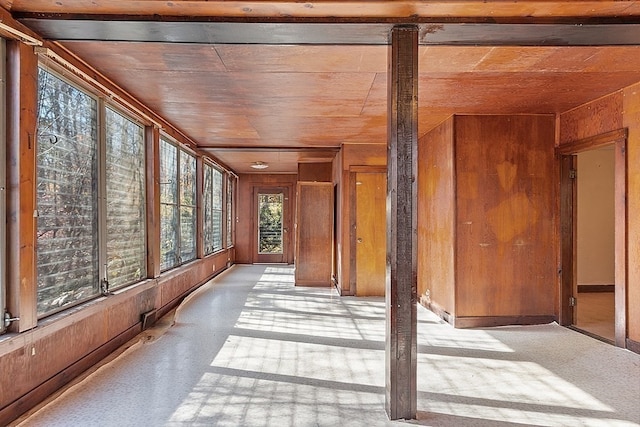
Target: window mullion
[(102, 198), (3, 187), (179, 204)]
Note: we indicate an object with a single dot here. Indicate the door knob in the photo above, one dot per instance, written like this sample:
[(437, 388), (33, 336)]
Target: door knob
[(359, 239)]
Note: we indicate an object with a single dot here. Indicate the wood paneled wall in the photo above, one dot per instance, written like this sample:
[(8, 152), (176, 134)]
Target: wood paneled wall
[(595, 118), (320, 172), (506, 216), (436, 219), (618, 110), (631, 120), (245, 210)]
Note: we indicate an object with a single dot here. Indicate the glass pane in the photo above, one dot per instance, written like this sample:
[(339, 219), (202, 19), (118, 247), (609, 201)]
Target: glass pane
[(67, 245), (270, 223), (187, 233), (168, 236), (169, 253), (126, 244), (217, 209), (168, 173), (187, 206), (207, 207), (187, 179)]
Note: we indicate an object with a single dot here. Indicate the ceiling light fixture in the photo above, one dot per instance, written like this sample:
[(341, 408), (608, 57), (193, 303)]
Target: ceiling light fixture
[(259, 165)]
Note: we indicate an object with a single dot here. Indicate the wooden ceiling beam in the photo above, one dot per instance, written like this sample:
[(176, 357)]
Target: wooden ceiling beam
[(457, 34), (399, 10)]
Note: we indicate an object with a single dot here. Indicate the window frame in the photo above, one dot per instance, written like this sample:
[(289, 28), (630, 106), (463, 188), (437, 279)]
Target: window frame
[(80, 86), (102, 104), (103, 161), (215, 169), (180, 151), (230, 209), (3, 185)]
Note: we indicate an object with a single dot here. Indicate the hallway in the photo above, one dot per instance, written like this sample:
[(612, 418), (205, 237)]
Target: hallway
[(250, 349)]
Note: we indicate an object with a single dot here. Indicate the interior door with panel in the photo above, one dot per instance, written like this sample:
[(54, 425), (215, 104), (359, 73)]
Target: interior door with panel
[(370, 232)]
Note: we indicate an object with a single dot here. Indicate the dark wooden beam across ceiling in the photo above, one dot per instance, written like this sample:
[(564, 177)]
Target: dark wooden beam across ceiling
[(442, 33)]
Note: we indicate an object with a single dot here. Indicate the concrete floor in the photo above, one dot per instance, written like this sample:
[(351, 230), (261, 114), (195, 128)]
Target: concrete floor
[(250, 349)]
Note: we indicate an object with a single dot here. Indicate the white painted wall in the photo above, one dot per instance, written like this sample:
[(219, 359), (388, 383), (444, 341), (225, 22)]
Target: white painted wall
[(595, 240)]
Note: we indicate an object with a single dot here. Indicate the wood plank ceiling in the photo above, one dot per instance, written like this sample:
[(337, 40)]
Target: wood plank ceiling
[(289, 103)]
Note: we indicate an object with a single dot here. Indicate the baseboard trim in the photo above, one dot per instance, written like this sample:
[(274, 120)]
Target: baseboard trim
[(633, 345), (437, 310), (596, 288), (37, 395), (489, 321)]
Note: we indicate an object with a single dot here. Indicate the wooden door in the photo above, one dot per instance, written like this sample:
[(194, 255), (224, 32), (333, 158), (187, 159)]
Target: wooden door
[(272, 221), (370, 233), (314, 234)]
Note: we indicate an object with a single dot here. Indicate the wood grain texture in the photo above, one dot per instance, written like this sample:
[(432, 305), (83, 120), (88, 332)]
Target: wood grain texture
[(568, 236), (321, 172), (152, 135), (632, 122), (593, 118), (436, 217), (21, 181), (400, 300), (370, 233), (353, 10), (351, 155), (314, 234), (506, 199)]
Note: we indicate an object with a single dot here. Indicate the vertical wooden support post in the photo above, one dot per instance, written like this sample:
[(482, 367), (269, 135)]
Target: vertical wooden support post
[(152, 135), (401, 320), (22, 106)]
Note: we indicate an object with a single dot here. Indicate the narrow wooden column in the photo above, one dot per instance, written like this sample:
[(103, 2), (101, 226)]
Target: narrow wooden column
[(401, 319), (153, 201), (22, 106)]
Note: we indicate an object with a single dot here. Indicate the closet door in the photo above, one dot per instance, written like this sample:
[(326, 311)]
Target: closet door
[(314, 233)]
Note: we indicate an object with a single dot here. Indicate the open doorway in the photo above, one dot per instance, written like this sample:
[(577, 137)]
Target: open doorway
[(271, 231), (594, 238), (595, 243)]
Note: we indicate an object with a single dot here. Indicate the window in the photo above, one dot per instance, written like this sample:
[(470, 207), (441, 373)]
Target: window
[(3, 186), (177, 205), (125, 180), (188, 207), (230, 212), (212, 206), (67, 184), (217, 210), (90, 197)]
